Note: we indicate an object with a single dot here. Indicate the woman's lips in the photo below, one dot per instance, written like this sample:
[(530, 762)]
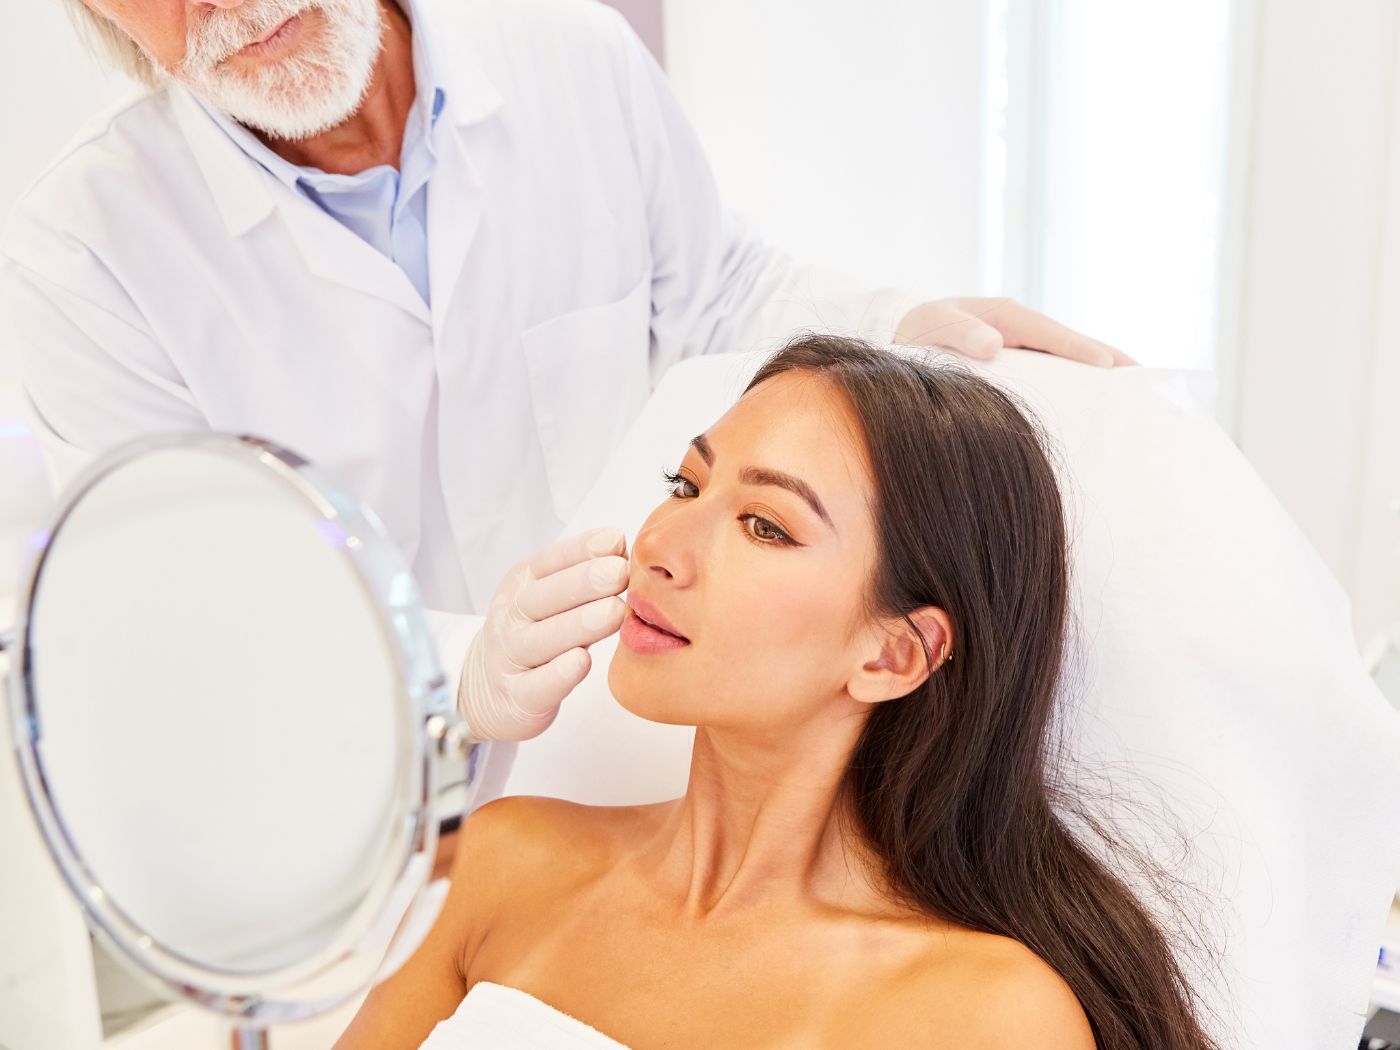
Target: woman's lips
[(643, 630), (651, 614)]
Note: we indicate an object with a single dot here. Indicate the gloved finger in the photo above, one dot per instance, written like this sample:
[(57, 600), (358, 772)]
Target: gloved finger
[(944, 324), (571, 550), (569, 588), (1021, 326), (539, 692), (540, 642)]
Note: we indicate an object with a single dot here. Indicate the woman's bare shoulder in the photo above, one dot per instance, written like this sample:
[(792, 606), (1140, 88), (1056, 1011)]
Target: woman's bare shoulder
[(978, 989), (511, 856), (538, 817), (521, 832)]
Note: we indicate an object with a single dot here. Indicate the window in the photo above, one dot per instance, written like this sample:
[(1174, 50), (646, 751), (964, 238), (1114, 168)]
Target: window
[(1108, 129)]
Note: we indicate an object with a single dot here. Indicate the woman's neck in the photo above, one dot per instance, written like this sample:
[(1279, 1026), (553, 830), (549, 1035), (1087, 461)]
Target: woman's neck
[(764, 823)]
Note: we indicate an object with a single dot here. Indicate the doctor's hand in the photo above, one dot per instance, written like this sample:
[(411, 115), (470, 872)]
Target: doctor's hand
[(533, 648), (981, 327)]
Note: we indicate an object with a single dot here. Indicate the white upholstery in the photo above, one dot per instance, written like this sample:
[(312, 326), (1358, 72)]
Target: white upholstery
[(1218, 679)]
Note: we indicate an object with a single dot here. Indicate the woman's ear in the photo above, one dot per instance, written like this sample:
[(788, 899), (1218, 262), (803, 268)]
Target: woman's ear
[(896, 662)]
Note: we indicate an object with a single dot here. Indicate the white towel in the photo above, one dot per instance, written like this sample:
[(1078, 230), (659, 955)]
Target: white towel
[(502, 1018)]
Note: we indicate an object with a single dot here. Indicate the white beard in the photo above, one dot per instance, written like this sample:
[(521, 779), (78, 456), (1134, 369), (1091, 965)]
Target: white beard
[(314, 88)]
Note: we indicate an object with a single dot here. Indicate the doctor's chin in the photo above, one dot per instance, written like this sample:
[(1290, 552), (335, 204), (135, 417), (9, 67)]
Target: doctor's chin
[(649, 523)]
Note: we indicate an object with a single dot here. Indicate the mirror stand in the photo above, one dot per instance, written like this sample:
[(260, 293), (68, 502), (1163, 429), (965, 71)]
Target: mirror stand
[(242, 1037)]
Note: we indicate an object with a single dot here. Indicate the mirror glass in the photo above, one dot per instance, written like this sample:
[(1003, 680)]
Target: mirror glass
[(212, 691)]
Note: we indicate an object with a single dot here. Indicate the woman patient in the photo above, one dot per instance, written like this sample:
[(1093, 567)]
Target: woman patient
[(856, 590)]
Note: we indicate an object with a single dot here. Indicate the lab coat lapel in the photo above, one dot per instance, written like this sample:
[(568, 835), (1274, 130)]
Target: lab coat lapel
[(246, 194), (333, 252), (457, 195), (456, 203)]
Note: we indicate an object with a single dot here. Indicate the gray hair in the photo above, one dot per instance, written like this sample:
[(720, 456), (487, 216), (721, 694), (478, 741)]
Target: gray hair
[(111, 44)]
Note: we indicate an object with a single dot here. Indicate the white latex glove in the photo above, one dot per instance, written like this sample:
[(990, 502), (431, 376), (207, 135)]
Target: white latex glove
[(981, 327), (533, 648)]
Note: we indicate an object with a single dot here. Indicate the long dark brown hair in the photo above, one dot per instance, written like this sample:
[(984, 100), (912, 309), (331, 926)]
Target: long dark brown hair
[(954, 786)]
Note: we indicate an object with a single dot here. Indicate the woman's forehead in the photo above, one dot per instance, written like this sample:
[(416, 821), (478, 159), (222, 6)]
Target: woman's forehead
[(798, 422)]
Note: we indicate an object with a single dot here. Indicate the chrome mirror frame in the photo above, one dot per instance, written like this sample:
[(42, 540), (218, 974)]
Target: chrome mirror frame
[(432, 749)]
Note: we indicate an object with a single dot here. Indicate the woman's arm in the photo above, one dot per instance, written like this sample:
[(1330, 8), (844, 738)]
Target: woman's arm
[(399, 1013)]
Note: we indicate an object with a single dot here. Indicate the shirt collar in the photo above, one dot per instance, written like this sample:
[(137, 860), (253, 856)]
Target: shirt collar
[(241, 190), (429, 102)]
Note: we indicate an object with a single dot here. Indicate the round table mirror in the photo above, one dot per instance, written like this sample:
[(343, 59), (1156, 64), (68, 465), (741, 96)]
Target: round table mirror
[(232, 726)]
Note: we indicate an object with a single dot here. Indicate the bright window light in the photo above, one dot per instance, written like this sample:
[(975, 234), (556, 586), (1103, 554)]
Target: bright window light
[(1113, 149)]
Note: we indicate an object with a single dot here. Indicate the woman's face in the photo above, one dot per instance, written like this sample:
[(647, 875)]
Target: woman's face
[(759, 559)]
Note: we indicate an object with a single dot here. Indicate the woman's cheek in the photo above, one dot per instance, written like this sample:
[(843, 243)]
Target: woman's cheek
[(796, 607), (774, 621)]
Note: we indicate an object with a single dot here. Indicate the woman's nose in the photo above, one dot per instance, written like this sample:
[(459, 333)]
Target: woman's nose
[(663, 550)]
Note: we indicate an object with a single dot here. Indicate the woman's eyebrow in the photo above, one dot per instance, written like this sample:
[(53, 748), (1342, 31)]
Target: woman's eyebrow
[(702, 446), (764, 476)]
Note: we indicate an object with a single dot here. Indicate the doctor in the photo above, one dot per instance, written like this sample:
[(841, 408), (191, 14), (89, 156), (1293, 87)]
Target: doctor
[(444, 250)]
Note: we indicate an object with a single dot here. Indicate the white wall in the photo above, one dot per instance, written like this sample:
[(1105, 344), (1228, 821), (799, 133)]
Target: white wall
[(1317, 387), (852, 132), (1377, 587), (646, 17), (52, 85)]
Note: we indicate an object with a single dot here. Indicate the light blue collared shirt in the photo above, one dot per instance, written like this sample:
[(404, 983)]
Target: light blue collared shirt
[(386, 207)]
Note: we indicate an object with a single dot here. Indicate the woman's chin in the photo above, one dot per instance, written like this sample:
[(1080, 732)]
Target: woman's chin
[(642, 693)]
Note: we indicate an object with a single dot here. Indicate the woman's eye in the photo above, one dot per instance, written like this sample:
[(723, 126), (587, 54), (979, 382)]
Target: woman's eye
[(764, 530), (758, 528), (681, 486)]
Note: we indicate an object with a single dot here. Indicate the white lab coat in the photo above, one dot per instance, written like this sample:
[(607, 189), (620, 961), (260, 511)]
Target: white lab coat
[(155, 278)]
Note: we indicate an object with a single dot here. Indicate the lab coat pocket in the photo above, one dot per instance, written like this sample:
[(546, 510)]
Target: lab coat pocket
[(589, 377)]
